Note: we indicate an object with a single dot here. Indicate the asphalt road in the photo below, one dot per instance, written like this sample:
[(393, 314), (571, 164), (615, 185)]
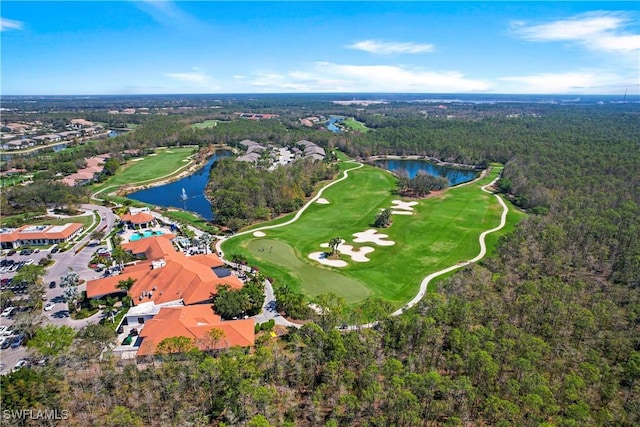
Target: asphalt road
[(63, 261)]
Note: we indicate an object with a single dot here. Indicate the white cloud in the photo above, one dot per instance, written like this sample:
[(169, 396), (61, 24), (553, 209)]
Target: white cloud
[(388, 48), (195, 76), (594, 30), (10, 24), (168, 14), (331, 77), (578, 82)]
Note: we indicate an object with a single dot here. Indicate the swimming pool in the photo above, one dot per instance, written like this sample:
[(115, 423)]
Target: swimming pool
[(146, 233)]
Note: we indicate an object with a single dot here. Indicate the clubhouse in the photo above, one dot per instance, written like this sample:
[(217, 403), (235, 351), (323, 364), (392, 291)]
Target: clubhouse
[(172, 295)]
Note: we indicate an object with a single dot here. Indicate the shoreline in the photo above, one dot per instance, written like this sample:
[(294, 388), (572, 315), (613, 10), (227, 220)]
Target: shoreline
[(197, 163), (433, 160)]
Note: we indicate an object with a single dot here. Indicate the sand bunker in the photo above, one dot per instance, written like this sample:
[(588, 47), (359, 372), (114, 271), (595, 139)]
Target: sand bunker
[(399, 204), (259, 234), (137, 160), (401, 213), (153, 154), (371, 235), (321, 257), (322, 201), (358, 255)]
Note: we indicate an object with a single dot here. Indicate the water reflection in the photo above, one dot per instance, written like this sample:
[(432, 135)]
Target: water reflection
[(186, 193), (412, 167)]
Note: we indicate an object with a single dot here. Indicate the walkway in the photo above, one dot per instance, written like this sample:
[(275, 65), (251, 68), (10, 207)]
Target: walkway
[(269, 306)]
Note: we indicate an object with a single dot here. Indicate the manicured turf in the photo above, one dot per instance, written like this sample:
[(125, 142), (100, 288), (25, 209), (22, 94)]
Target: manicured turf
[(355, 125), (150, 168), (205, 124), (282, 254), (443, 231)]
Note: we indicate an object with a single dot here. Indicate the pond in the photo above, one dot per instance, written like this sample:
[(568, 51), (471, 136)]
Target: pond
[(186, 194), (331, 126), (412, 167)]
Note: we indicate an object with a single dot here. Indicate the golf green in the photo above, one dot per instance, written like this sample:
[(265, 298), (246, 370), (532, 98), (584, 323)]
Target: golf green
[(316, 279)]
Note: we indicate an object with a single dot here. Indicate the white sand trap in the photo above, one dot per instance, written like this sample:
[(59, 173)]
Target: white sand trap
[(371, 235), (321, 257), (322, 201), (399, 204), (401, 213), (359, 255), (259, 234), (185, 160), (168, 151), (137, 160), (153, 154)]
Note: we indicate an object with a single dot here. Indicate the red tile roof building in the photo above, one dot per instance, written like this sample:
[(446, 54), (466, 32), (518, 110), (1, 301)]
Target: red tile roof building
[(162, 283), (39, 235), (195, 322)]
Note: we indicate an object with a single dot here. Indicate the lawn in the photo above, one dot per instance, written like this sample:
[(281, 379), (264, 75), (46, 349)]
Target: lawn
[(162, 164), (355, 125), (205, 124), (442, 231)]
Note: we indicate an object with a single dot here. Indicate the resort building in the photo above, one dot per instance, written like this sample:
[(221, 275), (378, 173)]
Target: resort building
[(38, 235), (172, 294), (138, 218), (195, 322)]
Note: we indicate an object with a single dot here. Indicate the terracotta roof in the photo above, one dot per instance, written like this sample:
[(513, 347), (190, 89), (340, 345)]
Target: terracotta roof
[(190, 279), (195, 322), (138, 218), (154, 247), (30, 232)]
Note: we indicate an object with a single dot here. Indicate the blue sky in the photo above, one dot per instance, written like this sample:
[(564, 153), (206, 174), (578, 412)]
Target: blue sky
[(161, 47)]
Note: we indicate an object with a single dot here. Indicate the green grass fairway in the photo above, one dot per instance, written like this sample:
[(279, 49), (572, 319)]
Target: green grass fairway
[(150, 168), (316, 281), (443, 231), (355, 125), (205, 124)]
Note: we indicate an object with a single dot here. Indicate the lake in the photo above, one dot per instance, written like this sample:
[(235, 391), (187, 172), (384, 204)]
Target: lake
[(171, 195), (454, 175)]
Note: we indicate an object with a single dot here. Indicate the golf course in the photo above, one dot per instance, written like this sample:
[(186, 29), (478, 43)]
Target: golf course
[(432, 234)]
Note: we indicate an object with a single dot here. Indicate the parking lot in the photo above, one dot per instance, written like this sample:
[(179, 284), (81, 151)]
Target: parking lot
[(12, 261)]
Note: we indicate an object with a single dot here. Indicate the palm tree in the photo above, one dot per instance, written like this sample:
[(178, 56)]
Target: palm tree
[(334, 243)]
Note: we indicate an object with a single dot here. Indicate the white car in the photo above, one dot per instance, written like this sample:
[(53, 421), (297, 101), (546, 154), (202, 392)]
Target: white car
[(7, 311), (6, 331), (21, 364), (49, 306)]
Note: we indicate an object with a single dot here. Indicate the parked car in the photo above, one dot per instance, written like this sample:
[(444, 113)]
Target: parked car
[(11, 252), (6, 343), (22, 363), (18, 341), (7, 331), (54, 249), (7, 311), (49, 306), (52, 284)]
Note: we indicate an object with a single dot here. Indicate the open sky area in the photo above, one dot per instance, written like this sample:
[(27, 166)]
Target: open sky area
[(180, 47)]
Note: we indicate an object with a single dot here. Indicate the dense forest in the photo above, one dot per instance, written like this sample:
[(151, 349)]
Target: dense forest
[(545, 332), (242, 194)]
